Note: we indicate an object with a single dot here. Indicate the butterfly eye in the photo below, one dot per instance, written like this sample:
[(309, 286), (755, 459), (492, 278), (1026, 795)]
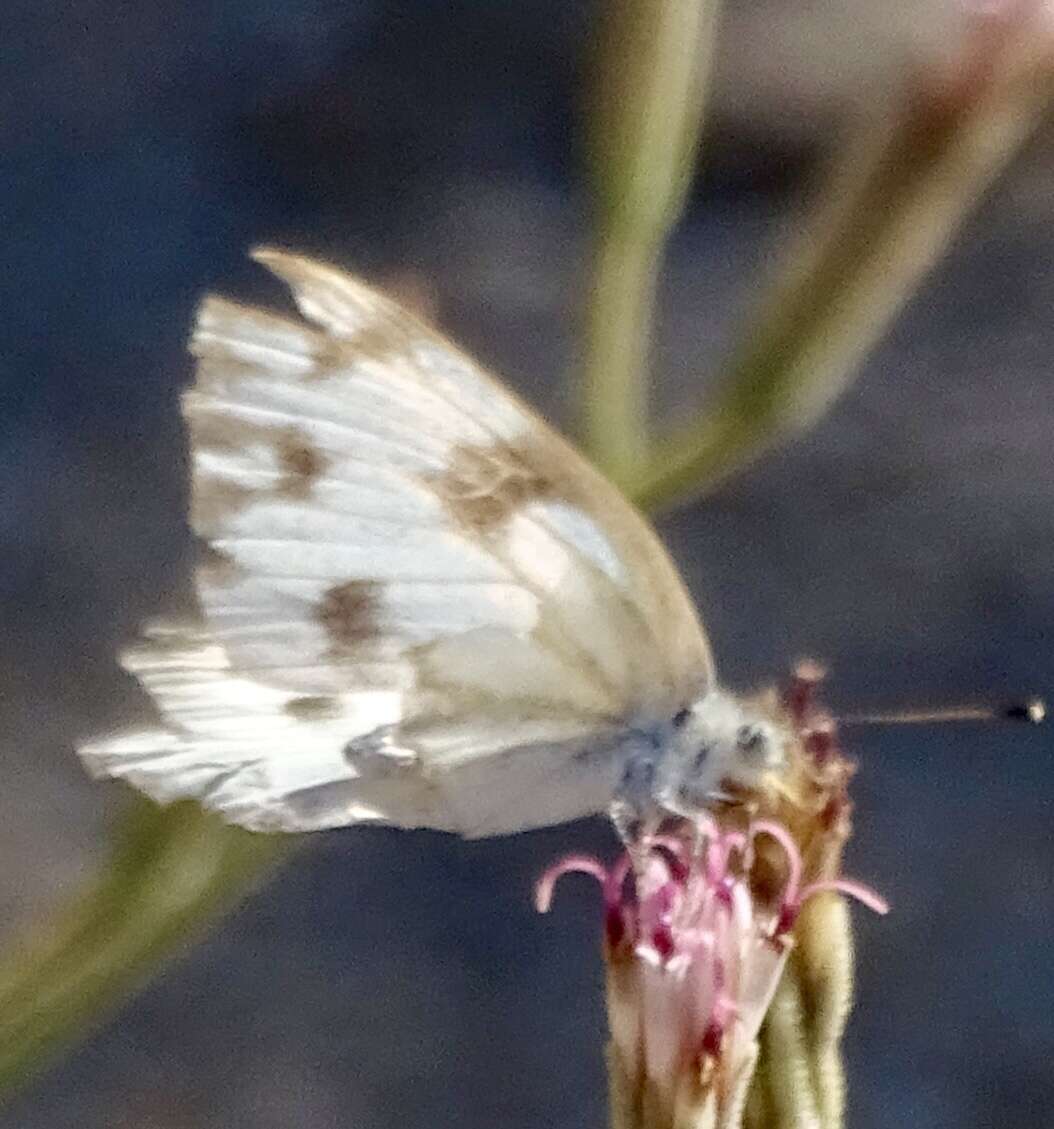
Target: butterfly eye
[(750, 739), (638, 776)]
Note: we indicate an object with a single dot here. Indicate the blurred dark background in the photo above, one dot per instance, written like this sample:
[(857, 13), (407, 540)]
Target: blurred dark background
[(389, 979)]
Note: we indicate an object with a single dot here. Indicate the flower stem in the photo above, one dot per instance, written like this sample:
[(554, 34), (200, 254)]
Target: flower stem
[(784, 1069), (617, 340), (646, 98), (891, 205), (172, 870), (821, 965)]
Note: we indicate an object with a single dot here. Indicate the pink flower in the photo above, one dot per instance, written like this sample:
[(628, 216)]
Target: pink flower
[(694, 960)]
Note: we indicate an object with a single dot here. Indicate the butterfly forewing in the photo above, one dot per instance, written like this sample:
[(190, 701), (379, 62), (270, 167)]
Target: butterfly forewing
[(419, 604)]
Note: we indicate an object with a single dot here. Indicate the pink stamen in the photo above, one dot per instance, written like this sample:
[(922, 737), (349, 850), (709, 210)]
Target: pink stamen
[(616, 879), (672, 856), (864, 894), (671, 843), (572, 864), (790, 850), (668, 907), (719, 854), (704, 960)]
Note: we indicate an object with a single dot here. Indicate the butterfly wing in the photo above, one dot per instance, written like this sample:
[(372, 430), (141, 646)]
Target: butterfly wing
[(419, 604)]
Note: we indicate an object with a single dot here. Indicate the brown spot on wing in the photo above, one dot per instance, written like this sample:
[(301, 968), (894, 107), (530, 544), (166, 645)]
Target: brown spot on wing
[(483, 486), (348, 612), (215, 567), (312, 707), (380, 342), (301, 463), (297, 460)]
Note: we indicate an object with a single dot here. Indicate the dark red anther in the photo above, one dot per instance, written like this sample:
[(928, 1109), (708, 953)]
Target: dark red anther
[(836, 811), (678, 868), (820, 743), (663, 942), (723, 891), (616, 927), (713, 1036), (800, 695), (786, 920)]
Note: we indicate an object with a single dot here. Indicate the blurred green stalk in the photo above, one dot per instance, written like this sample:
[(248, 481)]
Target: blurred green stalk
[(646, 96), (893, 201), (172, 871)]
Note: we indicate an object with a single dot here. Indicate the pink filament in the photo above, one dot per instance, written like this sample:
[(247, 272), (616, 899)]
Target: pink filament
[(858, 890), (572, 864)]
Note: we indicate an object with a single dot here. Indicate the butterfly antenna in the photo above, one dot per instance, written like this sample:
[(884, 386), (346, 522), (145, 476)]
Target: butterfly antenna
[(1031, 710)]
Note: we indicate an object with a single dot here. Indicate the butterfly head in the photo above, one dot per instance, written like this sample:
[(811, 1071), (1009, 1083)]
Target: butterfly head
[(723, 748)]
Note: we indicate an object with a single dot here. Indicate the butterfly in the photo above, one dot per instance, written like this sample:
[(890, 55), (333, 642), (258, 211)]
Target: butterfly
[(419, 605)]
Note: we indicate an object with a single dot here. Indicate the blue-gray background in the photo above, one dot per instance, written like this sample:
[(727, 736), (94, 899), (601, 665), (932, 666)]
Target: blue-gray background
[(402, 979)]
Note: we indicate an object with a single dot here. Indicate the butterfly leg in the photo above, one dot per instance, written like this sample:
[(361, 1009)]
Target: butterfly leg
[(634, 811)]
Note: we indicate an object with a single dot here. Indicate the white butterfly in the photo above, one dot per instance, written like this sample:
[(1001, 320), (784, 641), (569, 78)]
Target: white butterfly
[(420, 606)]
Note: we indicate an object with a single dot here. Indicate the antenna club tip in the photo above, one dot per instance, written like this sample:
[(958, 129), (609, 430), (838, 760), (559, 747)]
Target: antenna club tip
[(1034, 711)]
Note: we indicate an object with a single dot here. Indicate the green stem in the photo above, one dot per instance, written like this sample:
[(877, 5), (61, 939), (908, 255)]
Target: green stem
[(895, 200), (784, 1068), (646, 98), (617, 340), (172, 871)]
